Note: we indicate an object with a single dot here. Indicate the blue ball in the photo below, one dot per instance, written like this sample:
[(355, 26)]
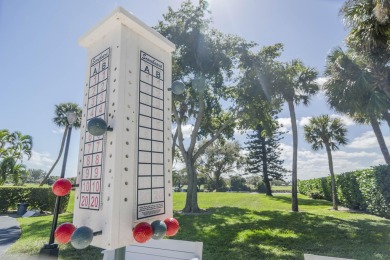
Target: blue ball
[(97, 126), (159, 229), (81, 237), (178, 87)]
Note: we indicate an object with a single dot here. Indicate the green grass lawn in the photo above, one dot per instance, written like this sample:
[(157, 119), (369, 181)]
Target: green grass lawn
[(250, 226)]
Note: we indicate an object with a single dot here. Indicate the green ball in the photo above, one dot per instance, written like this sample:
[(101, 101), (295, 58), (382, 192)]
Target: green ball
[(97, 126), (159, 229)]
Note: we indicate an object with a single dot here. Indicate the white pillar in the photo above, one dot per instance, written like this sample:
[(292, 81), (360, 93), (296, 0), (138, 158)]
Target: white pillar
[(125, 176)]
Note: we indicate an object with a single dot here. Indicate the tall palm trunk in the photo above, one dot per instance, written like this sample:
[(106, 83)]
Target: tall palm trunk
[(381, 140), (334, 189), (294, 192), (58, 158), (192, 190)]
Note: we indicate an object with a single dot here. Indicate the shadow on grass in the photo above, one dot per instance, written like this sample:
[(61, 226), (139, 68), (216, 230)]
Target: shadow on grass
[(301, 201), (36, 233), (236, 233)]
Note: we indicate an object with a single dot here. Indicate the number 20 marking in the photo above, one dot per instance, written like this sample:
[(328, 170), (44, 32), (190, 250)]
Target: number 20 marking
[(84, 201)]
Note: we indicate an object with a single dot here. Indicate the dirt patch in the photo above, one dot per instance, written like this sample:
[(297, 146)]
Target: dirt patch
[(348, 210), (201, 212)]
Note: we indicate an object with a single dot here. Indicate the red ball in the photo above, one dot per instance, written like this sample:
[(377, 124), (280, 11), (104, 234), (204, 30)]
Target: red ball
[(62, 187), (142, 232), (172, 226), (64, 232)]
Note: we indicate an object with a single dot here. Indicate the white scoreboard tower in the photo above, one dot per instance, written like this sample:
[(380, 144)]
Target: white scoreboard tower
[(124, 175)]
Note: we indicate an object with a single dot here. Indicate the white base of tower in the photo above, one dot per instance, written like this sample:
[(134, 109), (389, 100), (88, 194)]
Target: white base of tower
[(160, 249)]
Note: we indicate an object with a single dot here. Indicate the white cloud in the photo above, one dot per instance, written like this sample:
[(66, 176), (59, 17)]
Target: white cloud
[(244, 152), (366, 140), (39, 161), (304, 120), (285, 124), (285, 121), (353, 155), (186, 130), (241, 133), (178, 165), (321, 81), (345, 119), (314, 164)]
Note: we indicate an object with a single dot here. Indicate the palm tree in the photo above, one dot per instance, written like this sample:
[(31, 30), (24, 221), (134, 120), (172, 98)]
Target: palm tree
[(15, 144), (5, 168), (61, 120), (294, 83), (369, 23), (10, 167), (5, 138), (21, 145), (18, 173), (349, 90), (324, 131)]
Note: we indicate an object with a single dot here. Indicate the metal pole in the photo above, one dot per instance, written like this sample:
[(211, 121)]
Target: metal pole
[(58, 199), (120, 253)]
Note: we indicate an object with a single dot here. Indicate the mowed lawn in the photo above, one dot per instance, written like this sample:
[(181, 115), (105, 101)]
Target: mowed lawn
[(249, 226)]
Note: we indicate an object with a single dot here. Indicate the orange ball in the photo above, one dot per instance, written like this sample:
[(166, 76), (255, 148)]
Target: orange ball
[(172, 226), (142, 232), (64, 232), (61, 187)]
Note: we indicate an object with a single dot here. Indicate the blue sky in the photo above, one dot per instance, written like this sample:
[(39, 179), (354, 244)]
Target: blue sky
[(43, 65)]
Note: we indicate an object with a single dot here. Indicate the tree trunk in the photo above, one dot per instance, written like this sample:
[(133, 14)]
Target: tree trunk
[(294, 191), (265, 167), (192, 190), (58, 158), (218, 182), (381, 140), (334, 188)]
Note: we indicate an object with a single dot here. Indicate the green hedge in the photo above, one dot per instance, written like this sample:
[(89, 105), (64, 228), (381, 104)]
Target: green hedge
[(367, 189), (36, 197), (320, 188)]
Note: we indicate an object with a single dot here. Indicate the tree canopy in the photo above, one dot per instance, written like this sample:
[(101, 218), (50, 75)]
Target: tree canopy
[(205, 60)]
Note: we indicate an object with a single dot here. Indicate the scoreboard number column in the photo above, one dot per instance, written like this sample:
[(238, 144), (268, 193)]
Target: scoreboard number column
[(93, 152)]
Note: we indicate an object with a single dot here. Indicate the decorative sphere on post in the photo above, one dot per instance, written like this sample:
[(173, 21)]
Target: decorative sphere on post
[(142, 232), (81, 237), (97, 126), (61, 187), (172, 226), (64, 232), (159, 229), (178, 87)]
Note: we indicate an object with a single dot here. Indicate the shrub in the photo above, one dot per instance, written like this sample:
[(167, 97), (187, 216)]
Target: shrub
[(261, 188), (316, 194), (367, 189), (349, 191), (374, 186), (36, 197), (309, 186)]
